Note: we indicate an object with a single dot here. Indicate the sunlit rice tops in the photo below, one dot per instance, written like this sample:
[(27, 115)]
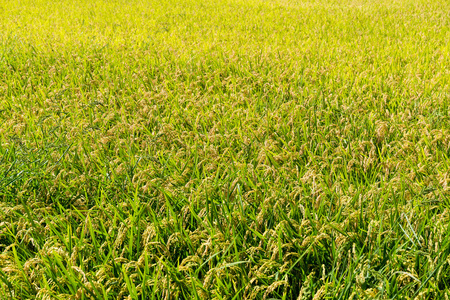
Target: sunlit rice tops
[(220, 149)]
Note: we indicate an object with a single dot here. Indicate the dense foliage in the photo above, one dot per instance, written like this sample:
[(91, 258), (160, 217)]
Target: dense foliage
[(224, 149)]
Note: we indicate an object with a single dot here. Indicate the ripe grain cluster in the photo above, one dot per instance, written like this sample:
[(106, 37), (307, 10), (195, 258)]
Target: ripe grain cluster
[(224, 149)]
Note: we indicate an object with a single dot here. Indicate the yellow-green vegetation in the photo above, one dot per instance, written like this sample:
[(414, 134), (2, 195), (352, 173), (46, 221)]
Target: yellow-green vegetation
[(231, 149)]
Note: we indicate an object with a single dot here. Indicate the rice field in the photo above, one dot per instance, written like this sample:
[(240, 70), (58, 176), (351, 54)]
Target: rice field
[(226, 149)]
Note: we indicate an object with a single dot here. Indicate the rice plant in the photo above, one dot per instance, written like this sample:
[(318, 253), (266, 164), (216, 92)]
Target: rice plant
[(227, 149)]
